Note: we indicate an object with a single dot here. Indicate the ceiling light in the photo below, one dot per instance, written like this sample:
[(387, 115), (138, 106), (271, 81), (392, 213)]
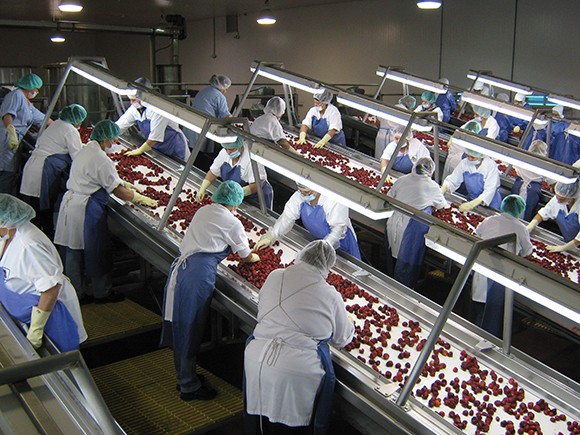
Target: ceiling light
[(70, 6), (57, 37), (266, 17), (429, 4)]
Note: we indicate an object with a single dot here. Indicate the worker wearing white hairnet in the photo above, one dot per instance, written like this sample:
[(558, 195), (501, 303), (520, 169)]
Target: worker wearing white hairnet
[(388, 128), (538, 132), (484, 290), (267, 126), (519, 124), (559, 123), (455, 151), (481, 88), (489, 126), (446, 102), (479, 176), (287, 363), (324, 120), (321, 216), (406, 236), (566, 146), (233, 163), (82, 221), (33, 288), (428, 104), (213, 233), (564, 207), (503, 121), (411, 150)]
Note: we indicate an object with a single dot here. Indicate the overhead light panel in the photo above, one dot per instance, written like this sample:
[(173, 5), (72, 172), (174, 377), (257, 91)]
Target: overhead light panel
[(282, 76), (266, 17), (410, 79), (70, 6), (102, 77), (501, 106), (564, 101), (58, 38), (500, 83), (429, 4)]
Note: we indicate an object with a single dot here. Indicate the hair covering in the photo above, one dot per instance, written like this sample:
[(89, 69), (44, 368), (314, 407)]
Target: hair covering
[(520, 97), (514, 205), (408, 101), (220, 82), (14, 212), (539, 147), (319, 254), (429, 97), (444, 80), (503, 97), (485, 91), (482, 111), (472, 125), (229, 193), (237, 144), (105, 130), (424, 166), (144, 81), (559, 110), (276, 106), (566, 190), (474, 153), (324, 96), (29, 82), (74, 114), (478, 85)]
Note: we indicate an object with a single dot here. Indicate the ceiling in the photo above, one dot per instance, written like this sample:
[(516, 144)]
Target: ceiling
[(142, 13)]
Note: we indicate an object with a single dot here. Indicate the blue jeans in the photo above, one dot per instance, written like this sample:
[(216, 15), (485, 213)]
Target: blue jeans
[(73, 268), (9, 182)]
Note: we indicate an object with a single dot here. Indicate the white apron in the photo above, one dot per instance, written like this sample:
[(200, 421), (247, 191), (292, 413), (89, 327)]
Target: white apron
[(71, 221)]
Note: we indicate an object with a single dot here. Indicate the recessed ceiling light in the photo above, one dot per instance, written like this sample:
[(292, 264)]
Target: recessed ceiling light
[(429, 4), (70, 6)]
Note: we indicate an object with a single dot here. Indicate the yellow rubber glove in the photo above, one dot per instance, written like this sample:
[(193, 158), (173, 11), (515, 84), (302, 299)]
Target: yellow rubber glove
[(247, 190), (323, 141), (571, 244), (265, 241), (143, 200), (142, 149), (132, 187), (517, 129), (444, 188), (302, 138), (532, 225), (38, 319), (12, 137), (470, 205), (253, 258), (201, 194)]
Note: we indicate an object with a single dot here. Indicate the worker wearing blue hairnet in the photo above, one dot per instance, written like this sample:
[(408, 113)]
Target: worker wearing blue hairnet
[(485, 292), (564, 208), (267, 126), (566, 146), (33, 288), (233, 163), (428, 104), (213, 233), (18, 115), (324, 120), (404, 236), (82, 220), (446, 101), (411, 150)]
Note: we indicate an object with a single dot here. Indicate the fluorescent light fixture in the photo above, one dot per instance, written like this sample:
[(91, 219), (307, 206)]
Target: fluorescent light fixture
[(500, 83), (58, 38), (282, 76), (429, 4), (564, 101), (266, 17), (501, 106), (101, 77), (376, 108), (515, 156), (574, 129), (70, 6), (410, 79)]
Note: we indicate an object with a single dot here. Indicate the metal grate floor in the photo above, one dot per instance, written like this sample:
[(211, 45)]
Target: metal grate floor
[(140, 393)]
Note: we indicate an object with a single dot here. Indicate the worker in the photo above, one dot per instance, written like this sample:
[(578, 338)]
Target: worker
[(405, 235), (528, 184), (538, 132), (503, 121), (18, 115), (388, 128), (566, 146), (559, 123), (411, 150), (49, 164), (81, 227), (428, 104), (481, 88), (161, 134), (479, 176), (455, 152), (320, 215), (234, 163), (325, 121), (267, 126), (564, 207), (213, 233), (289, 377), (33, 288), (519, 124), (488, 292), (211, 100), (446, 101), (489, 126)]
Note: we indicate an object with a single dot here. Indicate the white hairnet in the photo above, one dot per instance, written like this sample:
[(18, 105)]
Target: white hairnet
[(319, 254), (485, 91), (220, 82), (478, 85), (424, 166), (559, 110), (539, 147), (275, 106), (503, 97), (520, 97), (324, 97), (14, 212), (444, 80), (566, 190)]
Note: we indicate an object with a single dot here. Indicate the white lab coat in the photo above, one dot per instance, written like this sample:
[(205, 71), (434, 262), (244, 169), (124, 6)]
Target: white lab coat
[(296, 310), (492, 127), (385, 135), (419, 192), (91, 170), (415, 150), (487, 168), (267, 126), (435, 109), (332, 116), (553, 207), (495, 226), (60, 137), (32, 266), (244, 163)]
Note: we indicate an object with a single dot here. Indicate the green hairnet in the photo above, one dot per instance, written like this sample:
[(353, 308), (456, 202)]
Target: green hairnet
[(566, 190), (408, 101), (237, 144), (105, 130), (514, 205), (429, 97), (319, 254), (473, 126), (482, 111), (29, 82), (474, 153), (14, 212), (229, 193), (74, 114)]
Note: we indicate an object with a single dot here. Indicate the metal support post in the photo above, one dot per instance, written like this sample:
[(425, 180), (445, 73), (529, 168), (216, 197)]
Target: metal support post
[(256, 172), (508, 313), (238, 109), (436, 151)]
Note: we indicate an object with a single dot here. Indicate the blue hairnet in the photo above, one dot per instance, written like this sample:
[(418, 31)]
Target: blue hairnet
[(514, 205), (14, 212), (74, 114), (275, 106), (229, 193), (566, 190), (237, 144), (319, 254), (408, 101), (424, 166), (105, 130), (29, 82), (220, 82), (482, 111), (474, 153), (429, 97), (144, 81), (539, 147), (324, 96)]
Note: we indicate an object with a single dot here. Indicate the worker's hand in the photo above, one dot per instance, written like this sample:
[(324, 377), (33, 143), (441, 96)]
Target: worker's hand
[(201, 194), (351, 318), (132, 187), (517, 129), (532, 225), (38, 319), (469, 205), (323, 141), (142, 149), (444, 188), (560, 248), (253, 258), (389, 180), (302, 138), (144, 200), (247, 190), (265, 241), (12, 137)]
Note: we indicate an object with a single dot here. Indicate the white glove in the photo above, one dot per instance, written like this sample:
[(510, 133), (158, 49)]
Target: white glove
[(12, 137), (252, 258), (200, 195), (302, 138), (444, 188), (571, 244), (265, 241), (323, 141), (38, 319), (532, 225), (470, 205), (142, 149), (143, 200), (247, 190), (132, 187)]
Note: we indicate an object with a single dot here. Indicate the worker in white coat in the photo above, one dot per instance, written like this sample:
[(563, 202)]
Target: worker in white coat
[(82, 221), (213, 233), (428, 104), (289, 378), (489, 126), (324, 120), (33, 288), (406, 236), (411, 150), (321, 216), (488, 292), (267, 126), (455, 152), (388, 128)]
